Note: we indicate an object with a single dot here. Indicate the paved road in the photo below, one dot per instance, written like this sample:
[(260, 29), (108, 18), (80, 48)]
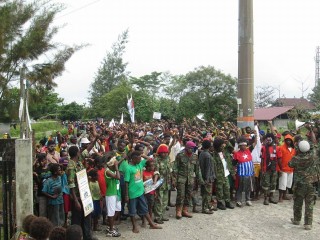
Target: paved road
[(256, 222)]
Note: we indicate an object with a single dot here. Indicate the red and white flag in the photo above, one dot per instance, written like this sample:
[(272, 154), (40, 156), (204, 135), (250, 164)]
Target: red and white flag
[(130, 106)]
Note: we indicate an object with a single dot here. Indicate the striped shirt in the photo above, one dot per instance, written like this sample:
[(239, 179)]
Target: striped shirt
[(245, 169)]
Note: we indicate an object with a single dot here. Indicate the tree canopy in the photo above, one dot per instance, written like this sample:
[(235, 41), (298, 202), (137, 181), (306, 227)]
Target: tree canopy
[(112, 70), (26, 39), (264, 96)]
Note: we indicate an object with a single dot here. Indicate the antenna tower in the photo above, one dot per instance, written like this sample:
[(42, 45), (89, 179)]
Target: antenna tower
[(317, 60)]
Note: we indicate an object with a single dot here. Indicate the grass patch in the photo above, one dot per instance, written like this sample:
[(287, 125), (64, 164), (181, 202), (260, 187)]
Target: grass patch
[(41, 129)]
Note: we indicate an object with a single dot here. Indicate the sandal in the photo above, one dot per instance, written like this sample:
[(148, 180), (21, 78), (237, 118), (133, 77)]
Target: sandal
[(113, 233), (159, 221)]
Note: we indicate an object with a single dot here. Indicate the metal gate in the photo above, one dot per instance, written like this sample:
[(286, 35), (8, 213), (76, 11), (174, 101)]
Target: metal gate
[(7, 174)]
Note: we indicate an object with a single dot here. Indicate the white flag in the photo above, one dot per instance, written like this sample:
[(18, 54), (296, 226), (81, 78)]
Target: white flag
[(112, 123), (130, 106), (121, 120), (21, 108)]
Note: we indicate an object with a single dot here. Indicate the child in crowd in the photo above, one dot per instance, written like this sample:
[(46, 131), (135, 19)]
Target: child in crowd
[(24, 234), (40, 228), (148, 174), (113, 196), (53, 190), (58, 233), (74, 232), (65, 188), (135, 191), (42, 173), (89, 164), (99, 162), (96, 196)]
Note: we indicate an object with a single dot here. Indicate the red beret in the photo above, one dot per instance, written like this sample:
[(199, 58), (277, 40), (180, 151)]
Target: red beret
[(163, 149)]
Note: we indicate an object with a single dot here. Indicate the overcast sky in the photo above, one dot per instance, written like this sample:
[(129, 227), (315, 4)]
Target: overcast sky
[(180, 35)]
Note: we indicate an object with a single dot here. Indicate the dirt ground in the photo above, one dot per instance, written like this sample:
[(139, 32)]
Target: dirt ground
[(255, 222)]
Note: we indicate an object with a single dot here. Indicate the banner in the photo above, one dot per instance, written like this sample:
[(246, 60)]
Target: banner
[(149, 186), (85, 193), (156, 115)]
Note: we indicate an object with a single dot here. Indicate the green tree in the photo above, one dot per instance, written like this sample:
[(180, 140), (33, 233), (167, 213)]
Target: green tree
[(151, 82), (44, 103), (189, 106), (174, 86), (167, 107), (10, 103), (113, 103), (213, 92), (112, 70), (263, 96), (26, 35), (314, 96), (144, 104), (72, 111)]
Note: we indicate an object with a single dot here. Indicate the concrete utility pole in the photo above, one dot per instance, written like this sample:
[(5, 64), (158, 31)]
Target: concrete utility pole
[(23, 161), (245, 65)]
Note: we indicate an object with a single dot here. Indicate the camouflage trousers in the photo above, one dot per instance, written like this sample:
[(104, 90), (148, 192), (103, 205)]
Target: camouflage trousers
[(303, 192), (206, 193), (160, 204), (223, 189), (184, 194), (269, 181)]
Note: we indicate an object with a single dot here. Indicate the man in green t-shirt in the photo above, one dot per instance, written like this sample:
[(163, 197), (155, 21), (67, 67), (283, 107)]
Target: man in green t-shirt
[(134, 191)]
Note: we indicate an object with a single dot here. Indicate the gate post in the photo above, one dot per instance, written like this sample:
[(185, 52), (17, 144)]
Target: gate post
[(24, 179)]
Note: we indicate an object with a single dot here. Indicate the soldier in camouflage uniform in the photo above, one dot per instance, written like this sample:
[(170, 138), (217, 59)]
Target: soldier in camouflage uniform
[(77, 213), (223, 168), (270, 158), (162, 170), (208, 174), (185, 169), (305, 175)]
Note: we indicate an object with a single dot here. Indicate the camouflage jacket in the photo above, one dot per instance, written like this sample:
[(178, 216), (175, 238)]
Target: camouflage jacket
[(305, 168), (72, 169), (186, 169), (218, 165), (163, 167)]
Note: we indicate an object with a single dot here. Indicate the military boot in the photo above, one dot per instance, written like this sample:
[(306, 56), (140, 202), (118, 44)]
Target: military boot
[(185, 212), (295, 222), (178, 212), (229, 205), (221, 206), (271, 199)]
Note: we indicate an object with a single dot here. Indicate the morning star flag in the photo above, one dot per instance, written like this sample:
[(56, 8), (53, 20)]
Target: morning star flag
[(130, 106)]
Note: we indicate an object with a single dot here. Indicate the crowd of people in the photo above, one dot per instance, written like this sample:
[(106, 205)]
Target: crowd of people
[(223, 162)]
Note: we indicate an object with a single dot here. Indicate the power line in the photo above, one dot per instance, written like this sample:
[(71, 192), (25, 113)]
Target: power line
[(80, 8)]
